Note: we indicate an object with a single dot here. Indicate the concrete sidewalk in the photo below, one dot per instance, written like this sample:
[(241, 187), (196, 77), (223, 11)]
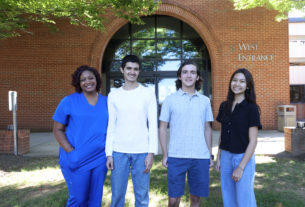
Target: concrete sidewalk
[(269, 142), (42, 144)]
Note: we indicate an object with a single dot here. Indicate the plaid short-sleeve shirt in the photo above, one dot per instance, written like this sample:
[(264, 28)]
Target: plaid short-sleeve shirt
[(187, 116)]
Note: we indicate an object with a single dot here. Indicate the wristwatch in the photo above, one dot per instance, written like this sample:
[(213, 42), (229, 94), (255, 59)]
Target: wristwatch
[(212, 156)]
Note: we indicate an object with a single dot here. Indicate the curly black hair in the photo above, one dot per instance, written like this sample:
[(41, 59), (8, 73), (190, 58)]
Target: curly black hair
[(76, 77)]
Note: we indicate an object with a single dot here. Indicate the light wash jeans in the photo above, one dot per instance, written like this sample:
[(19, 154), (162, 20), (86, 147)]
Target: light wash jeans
[(123, 164), (241, 193)]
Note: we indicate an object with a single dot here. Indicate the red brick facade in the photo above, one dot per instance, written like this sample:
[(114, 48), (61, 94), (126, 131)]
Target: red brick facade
[(39, 66)]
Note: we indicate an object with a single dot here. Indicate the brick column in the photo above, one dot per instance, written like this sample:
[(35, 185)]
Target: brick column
[(7, 141), (294, 140)]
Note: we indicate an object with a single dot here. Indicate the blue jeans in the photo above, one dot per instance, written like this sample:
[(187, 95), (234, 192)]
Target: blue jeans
[(241, 193), (123, 164)]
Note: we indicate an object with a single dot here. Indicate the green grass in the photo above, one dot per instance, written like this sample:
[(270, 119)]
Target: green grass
[(37, 182)]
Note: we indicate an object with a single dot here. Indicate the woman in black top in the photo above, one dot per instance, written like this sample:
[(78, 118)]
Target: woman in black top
[(240, 121)]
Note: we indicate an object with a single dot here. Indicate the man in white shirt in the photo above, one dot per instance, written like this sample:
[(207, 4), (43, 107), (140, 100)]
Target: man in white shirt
[(132, 138), (190, 148)]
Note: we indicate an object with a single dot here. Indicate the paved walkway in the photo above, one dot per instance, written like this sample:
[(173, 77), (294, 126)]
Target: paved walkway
[(42, 144), (269, 142)]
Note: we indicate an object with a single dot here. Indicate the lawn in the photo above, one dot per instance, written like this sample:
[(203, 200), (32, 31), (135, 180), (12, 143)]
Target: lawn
[(37, 182)]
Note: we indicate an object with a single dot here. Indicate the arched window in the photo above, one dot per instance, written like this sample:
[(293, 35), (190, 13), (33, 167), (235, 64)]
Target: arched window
[(162, 44)]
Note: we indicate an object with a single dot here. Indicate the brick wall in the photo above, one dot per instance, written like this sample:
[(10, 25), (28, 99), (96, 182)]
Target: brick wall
[(294, 140), (7, 141), (39, 66)]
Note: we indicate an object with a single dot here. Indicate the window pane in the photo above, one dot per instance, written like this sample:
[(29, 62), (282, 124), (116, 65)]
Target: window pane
[(201, 64), (297, 94), (168, 65), (147, 82), (121, 48), (143, 48), (115, 66), (169, 49), (189, 32), (116, 83), (168, 27), (190, 50), (148, 65), (146, 30), (166, 86), (147, 33), (162, 43), (122, 33)]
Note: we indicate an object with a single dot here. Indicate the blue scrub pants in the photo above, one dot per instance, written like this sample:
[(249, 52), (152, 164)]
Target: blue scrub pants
[(241, 193), (85, 187)]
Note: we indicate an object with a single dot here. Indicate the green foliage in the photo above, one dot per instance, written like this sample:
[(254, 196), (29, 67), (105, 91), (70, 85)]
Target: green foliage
[(15, 15), (282, 6)]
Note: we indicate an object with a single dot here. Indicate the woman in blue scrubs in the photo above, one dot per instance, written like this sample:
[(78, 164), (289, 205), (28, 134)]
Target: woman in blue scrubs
[(80, 126)]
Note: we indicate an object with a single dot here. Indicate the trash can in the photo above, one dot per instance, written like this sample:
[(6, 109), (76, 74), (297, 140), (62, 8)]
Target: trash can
[(286, 117)]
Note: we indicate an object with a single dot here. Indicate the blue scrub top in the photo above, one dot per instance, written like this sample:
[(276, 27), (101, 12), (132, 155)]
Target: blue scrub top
[(86, 128)]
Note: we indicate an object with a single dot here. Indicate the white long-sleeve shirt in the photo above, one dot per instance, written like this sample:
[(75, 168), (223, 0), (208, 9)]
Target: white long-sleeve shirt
[(132, 125)]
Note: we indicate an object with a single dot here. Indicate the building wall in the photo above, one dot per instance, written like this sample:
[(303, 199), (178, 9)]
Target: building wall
[(39, 66), (297, 65), (300, 111)]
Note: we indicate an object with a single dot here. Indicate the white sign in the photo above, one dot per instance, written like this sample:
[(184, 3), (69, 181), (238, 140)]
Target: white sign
[(12, 100)]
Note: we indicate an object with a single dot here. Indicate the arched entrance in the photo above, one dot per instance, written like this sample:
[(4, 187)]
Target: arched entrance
[(161, 44)]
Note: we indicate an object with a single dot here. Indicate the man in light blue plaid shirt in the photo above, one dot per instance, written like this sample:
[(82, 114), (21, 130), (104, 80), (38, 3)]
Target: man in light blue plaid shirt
[(188, 114)]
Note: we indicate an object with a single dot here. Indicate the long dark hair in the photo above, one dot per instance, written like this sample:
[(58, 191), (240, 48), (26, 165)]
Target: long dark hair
[(250, 95), (76, 77), (197, 83)]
